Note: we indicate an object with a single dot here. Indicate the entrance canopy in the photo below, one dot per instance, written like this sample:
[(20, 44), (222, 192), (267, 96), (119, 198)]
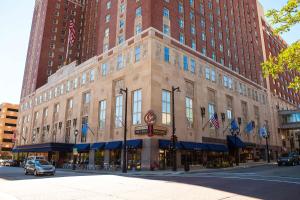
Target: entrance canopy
[(45, 147), (194, 146), (217, 147), (98, 146), (113, 145), (82, 147), (134, 144), (167, 144), (235, 141)]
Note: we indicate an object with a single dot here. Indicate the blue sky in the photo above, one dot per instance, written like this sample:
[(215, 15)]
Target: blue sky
[(15, 23)]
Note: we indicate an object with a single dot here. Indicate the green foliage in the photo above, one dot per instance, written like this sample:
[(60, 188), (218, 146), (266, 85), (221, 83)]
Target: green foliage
[(289, 58)]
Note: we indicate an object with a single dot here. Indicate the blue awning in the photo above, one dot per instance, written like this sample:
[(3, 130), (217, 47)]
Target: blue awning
[(82, 147), (98, 146), (217, 147), (194, 146), (235, 141), (167, 144), (44, 147), (134, 144), (113, 145), (15, 150)]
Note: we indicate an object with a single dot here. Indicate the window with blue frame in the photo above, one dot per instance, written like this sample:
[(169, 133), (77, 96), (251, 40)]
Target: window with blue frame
[(185, 63), (167, 54), (193, 66), (137, 53)]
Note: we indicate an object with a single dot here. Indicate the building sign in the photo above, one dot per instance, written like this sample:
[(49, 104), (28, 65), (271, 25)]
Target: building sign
[(150, 119), (144, 130)]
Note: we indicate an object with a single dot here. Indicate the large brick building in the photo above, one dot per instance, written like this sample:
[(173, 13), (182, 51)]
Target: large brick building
[(211, 49)]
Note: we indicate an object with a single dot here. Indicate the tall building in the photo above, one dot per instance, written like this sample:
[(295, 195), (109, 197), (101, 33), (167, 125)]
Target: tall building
[(211, 50), (8, 124)]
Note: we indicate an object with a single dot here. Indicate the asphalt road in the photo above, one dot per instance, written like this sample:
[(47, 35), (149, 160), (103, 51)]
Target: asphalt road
[(265, 182)]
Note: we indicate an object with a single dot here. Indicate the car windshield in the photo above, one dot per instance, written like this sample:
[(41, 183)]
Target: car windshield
[(42, 162)]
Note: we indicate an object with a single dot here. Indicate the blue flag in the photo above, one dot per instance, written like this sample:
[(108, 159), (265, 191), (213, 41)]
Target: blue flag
[(263, 132), (84, 129), (249, 127), (233, 125)]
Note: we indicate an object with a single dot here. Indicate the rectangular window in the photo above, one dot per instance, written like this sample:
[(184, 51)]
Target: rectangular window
[(166, 13), (104, 69), (137, 53), (193, 66), (102, 114), (86, 98), (138, 12), (211, 110), (166, 107), (181, 38), (120, 62), (167, 54), (83, 79), (75, 83), (137, 107), (119, 111), (166, 29), (207, 73), (92, 75), (189, 111), (138, 29), (185, 63), (213, 75)]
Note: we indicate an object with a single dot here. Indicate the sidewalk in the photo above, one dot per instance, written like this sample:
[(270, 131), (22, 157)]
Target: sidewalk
[(168, 172)]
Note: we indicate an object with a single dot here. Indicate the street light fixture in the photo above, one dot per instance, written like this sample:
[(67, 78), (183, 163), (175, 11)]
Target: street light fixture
[(235, 133), (267, 142), (75, 134), (174, 89), (124, 167)]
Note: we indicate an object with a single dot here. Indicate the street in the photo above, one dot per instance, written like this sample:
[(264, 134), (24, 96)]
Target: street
[(263, 182)]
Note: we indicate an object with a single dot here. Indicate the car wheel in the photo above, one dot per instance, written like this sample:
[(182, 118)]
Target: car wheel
[(35, 173)]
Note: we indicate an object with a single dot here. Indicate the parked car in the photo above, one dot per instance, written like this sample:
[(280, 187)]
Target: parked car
[(39, 167), (2, 161), (289, 159), (11, 163)]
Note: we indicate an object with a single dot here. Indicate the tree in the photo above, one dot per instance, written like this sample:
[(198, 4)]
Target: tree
[(289, 58)]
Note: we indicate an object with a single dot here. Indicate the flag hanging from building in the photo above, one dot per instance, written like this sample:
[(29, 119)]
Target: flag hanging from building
[(84, 129), (250, 126), (234, 125), (214, 121), (72, 33), (263, 132)]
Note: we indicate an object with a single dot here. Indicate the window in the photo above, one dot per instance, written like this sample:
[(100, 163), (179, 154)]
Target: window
[(121, 39), (120, 62), (181, 38), (122, 8), (193, 30), (119, 111), (211, 110), (166, 29), (207, 73), (213, 75), (70, 104), (108, 5), (102, 114), (138, 29), (194, 44), (167, 54), (104, 69), (86, 98), (189, 111), (107, 18), (75, 83), (68, 86), (181, 23), (203, 36), (166, 107), (83, 78), (106, 32), (185, 63), (137, 53), (193, 66), (92, 75), (121, 24), (138, 12), (180, 7), (137, 107), (166, 13)]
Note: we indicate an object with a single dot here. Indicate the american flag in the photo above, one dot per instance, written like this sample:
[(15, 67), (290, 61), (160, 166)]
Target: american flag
[(72, 33), (214, 120)]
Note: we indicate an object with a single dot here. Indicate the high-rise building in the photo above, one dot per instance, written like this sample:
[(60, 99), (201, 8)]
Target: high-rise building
[(8, 124), (211, 49)]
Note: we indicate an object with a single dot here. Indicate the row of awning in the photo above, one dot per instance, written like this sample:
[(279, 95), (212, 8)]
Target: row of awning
[(232, 141)]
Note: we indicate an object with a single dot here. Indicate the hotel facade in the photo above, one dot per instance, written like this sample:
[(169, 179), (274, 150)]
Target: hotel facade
[(149, 58)]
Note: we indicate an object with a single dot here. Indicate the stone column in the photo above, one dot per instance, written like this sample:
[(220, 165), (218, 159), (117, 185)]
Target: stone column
[(150, 153), (92, 157)]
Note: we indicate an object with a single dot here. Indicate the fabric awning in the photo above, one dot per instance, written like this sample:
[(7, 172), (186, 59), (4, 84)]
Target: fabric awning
[(134, 144), (217, 147), (98, 146), (44, 147), (82, 147), (167, 144), (235, 141), (194, 146), (113, 145)]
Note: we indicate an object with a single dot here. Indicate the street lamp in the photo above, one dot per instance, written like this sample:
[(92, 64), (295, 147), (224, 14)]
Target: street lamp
[(267, 143), (75, 134), (124, 169), (174, 128)]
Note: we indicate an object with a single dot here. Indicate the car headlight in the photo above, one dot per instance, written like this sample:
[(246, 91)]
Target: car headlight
[(288, 160)]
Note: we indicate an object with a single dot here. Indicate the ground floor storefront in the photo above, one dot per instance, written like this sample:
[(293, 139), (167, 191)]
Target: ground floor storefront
[(147, 154)]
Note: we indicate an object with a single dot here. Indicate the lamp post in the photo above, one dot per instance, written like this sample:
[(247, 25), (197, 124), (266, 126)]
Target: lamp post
[(267, 141), (174, 129), (235, 134), (124, 167), (75, 134)]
